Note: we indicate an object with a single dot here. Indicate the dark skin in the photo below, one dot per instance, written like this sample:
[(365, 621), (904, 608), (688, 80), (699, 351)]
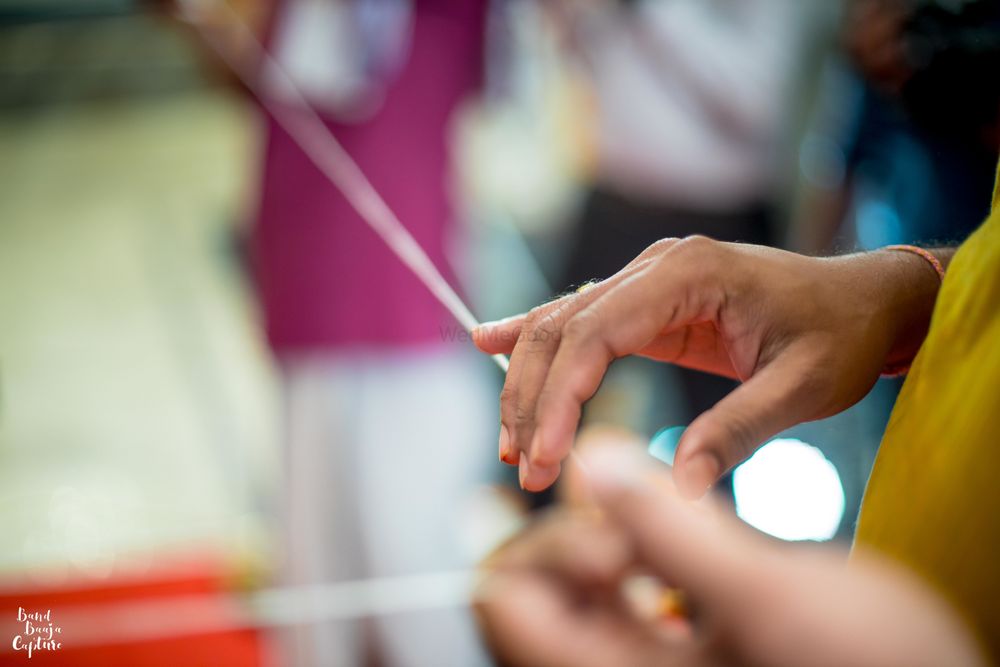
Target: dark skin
[(807, 337)]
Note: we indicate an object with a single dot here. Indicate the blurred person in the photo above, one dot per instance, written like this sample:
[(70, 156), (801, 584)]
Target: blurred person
[(374, 486), (691, 100), (877, 169), (807, 338), (902, 152)]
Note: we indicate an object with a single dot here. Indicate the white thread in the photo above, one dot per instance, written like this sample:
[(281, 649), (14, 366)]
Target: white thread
[(349, 599), (93, 624), (311, 135)]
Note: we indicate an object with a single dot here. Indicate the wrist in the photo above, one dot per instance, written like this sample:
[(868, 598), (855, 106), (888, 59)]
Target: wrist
[(913, 278)]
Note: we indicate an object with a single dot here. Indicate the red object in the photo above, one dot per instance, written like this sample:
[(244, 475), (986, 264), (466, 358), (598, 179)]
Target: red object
[(898, 370), (920, 252), (208, 580)]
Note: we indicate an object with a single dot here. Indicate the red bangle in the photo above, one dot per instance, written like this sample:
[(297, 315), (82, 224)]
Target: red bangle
[(920, 252), (895, 370)]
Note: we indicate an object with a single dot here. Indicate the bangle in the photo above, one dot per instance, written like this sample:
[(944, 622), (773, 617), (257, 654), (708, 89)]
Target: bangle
[(920, 252), (896, 370)]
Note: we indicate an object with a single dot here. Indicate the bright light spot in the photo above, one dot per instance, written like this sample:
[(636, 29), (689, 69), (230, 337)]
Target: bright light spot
[(663, 445), (790, 490)]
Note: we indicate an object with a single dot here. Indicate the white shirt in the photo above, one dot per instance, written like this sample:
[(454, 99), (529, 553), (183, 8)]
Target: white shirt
[(692, 97)]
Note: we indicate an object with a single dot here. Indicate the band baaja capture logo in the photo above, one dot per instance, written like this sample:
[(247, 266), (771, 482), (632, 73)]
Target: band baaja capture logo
[(37, 632)]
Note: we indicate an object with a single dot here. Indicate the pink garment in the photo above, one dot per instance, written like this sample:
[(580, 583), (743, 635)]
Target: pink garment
[(324, 278)]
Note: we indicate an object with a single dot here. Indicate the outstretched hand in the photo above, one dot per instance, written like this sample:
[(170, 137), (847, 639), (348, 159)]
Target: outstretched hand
[(807, 337)]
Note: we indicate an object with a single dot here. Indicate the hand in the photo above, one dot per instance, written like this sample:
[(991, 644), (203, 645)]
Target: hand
[(808, 337), (553, 596)]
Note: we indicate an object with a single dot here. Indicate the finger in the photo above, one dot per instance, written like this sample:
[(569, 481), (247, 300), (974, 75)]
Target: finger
[(529, 364), (530, 619), (574, 490), (574, 546), (714, 560), (516, 414), (498, 337), (783, 393), (657, 297), (538, 341)]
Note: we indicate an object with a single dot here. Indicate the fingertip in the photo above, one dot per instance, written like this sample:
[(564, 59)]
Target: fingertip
[(697, 465), (496, 337), (613, 470), (536, 478), (695, 474), (547, 448), (557, 418), (481, 338)]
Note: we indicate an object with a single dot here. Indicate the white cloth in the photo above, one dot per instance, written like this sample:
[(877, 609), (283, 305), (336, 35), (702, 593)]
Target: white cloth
[(341, 53), (382, 450), (692, 97)]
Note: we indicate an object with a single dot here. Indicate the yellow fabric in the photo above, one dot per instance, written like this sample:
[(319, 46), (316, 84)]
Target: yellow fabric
[(933, 500)]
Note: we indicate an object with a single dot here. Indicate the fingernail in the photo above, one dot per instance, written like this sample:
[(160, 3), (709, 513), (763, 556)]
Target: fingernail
[(701, 471), (504, 443), (491, 324), (495, 323), (523, 470)]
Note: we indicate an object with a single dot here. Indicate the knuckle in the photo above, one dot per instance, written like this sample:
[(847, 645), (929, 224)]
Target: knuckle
[(542, 323), (524, 413), (697, 242), (547, 328), (508, 396), (582, 326), (700, 257), (533, 316), (661, 246), (700, 249)]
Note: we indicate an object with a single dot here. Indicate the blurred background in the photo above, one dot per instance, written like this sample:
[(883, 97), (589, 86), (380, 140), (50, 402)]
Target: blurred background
[(215, 380)]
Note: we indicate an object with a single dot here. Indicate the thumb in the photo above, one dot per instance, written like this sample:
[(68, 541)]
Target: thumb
[(773, 399), (687, 545)]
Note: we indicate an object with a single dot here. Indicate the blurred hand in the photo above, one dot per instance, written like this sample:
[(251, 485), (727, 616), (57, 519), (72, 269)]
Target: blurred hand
[(808, 337), (553, 596)]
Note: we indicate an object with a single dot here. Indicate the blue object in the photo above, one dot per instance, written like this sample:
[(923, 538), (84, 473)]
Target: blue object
[(663, 445)]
